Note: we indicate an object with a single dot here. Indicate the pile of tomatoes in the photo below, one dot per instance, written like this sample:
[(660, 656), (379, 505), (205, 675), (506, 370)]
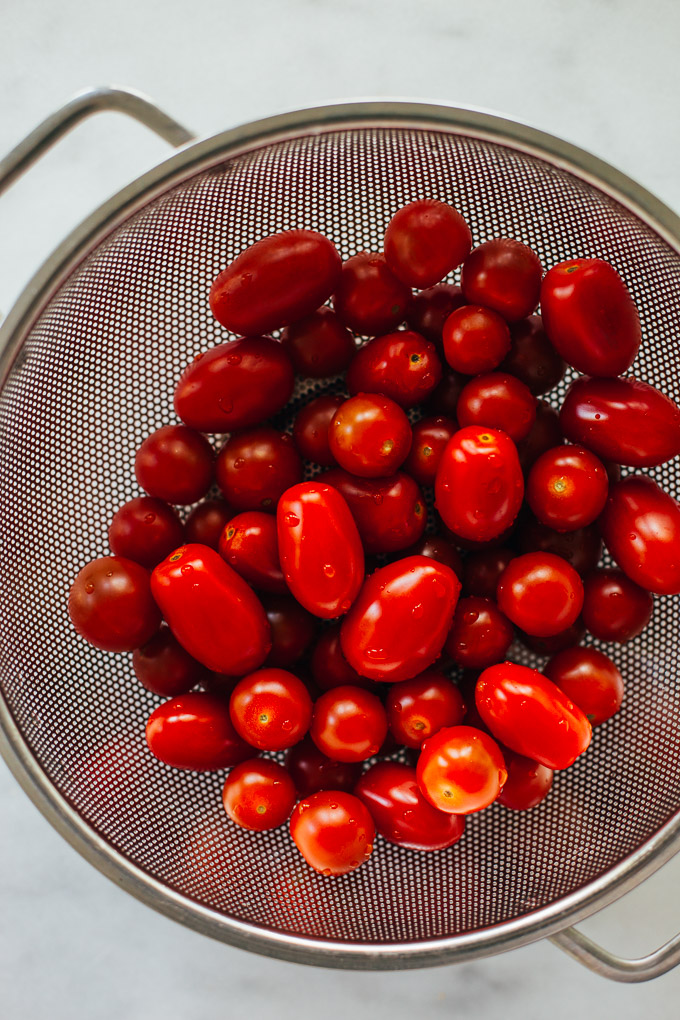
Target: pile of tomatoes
[(320, 618)]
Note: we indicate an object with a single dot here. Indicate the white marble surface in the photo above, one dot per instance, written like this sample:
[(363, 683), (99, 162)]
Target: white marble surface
[(603, 74)]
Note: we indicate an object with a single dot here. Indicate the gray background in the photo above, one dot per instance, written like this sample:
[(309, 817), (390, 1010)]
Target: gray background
[(602, 74)]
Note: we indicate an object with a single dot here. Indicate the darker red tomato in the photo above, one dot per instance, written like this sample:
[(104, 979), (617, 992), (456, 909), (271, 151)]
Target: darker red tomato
[(505, 275), (390, 513), (333, 831), (555, 642), (498, 401), (460, 770), (145, 530), (614, 607), (207, 521), (111, 606), (311, 427), (528, 782), (370, 435), (567, 488), (348, 724), (444, 399), (541, 593), (480, 635), (430, 309), (254, 468), (438, 548), (249, 545), (418, 708), (194, 731), (293, 630), (175, 464), (483, 569), (430, 436), (590, 679), (581, 547), (164, 667), (329, 666), (475, 339), (271, 709), (319, 345), (545, 434), (425, 241), (369, 299), (312, 771), (532, 358), (258, 794), (403, 366)]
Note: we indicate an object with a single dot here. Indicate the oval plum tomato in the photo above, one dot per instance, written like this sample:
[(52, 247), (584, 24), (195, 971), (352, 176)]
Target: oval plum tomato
[(258, 794), (164, 667), (175, 464), (498, 401), (403, 366), (590, 316), (311, 427), (590, 679), (194, 732), (425, 241), (312, 771), (399, 621), (567, 488), (319, 345), (418, 708), (255, 467), (430, 309), (235, 385), (541, 593), (483, 569), (623, 420), (370, 435), (430, 436), (333, 831), (555, 642), (438, 548), (111, 606), (479, 484), (278, 280), (400, 812), (528, 782), (480, 635), (460, 770), (145, 530), (531, 715), (390, 513), (271, 709), (292, 627), (206, 522), (348, 724), (640, 525), (211, 611), (369, 298), (545, 434), (249, 545), (444, 399), (505, 275), (614, 607), (475, 339), (329, 666), (581, 547), (532, 358)]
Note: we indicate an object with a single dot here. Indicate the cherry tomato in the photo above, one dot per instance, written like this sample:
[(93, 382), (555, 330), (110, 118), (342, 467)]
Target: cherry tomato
[(258, 794), (567, 488), (479, 485), (480, 635), (590, 316), (207, 521), (581, 547), (590, 679), (194, 732), (614, 607), (444, 399), (532, 358), (319, 345), (211, 611), (164, 667), (369, 299), (312, 771), (438, 548), (329, 666), (348, 724), (623, 420), (276, 281), (425, 241), (541, 593), (390, 512), (254, 468), (483, 569), (545, 434), (505, 275), (370, 435), (271, 709), (311, 427), (460, 770), (145, 530), (430, 436), (475, 339), (175, 464), (403, 366), (333, 831), (528, 782), (555, 642), (235, 385), (293, 630), (430, 309), (498, 401), (249, 545), (399, 622), (111, 606), (640, 525), (418, 708)]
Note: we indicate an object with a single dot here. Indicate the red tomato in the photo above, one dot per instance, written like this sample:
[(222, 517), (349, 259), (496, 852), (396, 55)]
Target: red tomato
[(555, 642), (430, 436), (614, 607), (532, 358), (211, 610), (235, 385), (249, 545), (164, 667), (479, 485), (370, 435), (254, 468), (206, 522), (425, 241), (399, 622), (590, 316), (319, 345), (418, 708), (581, 547), (567, 488), (320, 549), (311, 427), (444, 399), (145, 530), (498, 401), (271, 709), (440, 549), (528, 782), (590, 679), (110, 604), (333, 831), (430, 309), (541, 593), (369, 298), (623, 420), (312, 771), (483, 569), (475, 339), (175, 464), (460, 770), (403, 366), (276, 281), (505, 275), (348, 724), (195, 732), (480, 635), (293, 630), (390, 512), (640, 526), (545, 434), (526, 711), (329, 666), (258, 794)]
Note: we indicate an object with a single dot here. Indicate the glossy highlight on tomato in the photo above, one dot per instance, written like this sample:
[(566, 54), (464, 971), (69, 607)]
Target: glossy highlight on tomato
[(614, 607), (369, 299), (175, 464), (505, 275), (403, 366), (348, 724), (194, 731), (145, 530), (249, 544), (476, 339), (271, 709), (255, 467), (480, 635), (370, 435), (258, 795), (111, 606), (425, 240), (430, 436), (567, 488), (333, 831), (460, 770), (499, 401), (541, 593), (418, 708), (590, 679)]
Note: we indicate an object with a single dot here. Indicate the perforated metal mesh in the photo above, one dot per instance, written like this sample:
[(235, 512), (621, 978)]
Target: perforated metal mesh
[(96, 376)]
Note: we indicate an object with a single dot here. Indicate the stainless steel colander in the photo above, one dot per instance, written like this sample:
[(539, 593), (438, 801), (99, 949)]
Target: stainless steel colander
[(89, 356)]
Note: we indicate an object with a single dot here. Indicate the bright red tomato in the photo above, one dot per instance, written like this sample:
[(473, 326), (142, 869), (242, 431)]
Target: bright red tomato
[(555, 642), (390, 513), (590, 679), (311, 427), (475, 339), (194, 732), (430, 436), (258, 795), (175, 464), (206, 522), (480, 635), (498, 401), (438, 548), (541, 593), (249, 545), (348, 724), (403, 366), (430, 309), (528, 782), (545, 434), (370, 435), (312, 771), (483, 569), (614, 607), (567, 488), (292, 627), (369, 298), (145, 530), (254, 468), (333, 831), (425, 241), (271, 709), (319, 345), (460, 770), (164, 667), (111, 606), (418, 708), (329, 666), (532, 358), (581, 547), (505, 275)]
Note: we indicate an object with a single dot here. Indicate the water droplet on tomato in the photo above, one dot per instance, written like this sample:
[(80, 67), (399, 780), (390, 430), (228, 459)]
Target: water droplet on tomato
[(375, 653), (418, 610), (89, 588), (494, 486), (334, 807), (239, 462), (199, 356), (225, 404), (187, 569), (329, 570), (233, 359), (632, 537), (292, 520), (326, 872), (149, 518), (345, 605), (368, 850), (597, 417), (470, 616), (286, 725), (377, 498)]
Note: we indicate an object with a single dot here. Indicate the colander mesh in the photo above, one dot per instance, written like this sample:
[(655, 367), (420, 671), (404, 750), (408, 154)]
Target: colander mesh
[(96, 376)]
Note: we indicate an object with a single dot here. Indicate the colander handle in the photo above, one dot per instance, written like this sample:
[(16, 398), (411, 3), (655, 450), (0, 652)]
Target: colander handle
[(83, 105), (617, 968)]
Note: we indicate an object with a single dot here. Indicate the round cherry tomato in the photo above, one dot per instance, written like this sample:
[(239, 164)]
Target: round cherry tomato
[(235, 385), (207, 521), (333, 831), (640, 525), (505, 275), (293, 630), (311, 428), (498, 401), (528, 782), (312, 771), (475, 339), (399, 621), (145, 530), (175, 464), (531, 715), (370, 435), (438, 548), (403, 366), (581, 547), (276, 281), (430, 309), (164, 667), (319, 345), (479, 485), (418, 708), (390, 513), (590, 679), (483, 569), (258, 794), (614, 607), (211, 611), (555, 642), (249, 545), (480, 635), (369, 299), (194, 732), (541, 593), (590, 316), (348, 724), (545, 434), (460, 770), (111, 606), (567, 488), (329, 666), (425, 241), (271, 709), (254, 468), (532, 358), (430, 436)]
